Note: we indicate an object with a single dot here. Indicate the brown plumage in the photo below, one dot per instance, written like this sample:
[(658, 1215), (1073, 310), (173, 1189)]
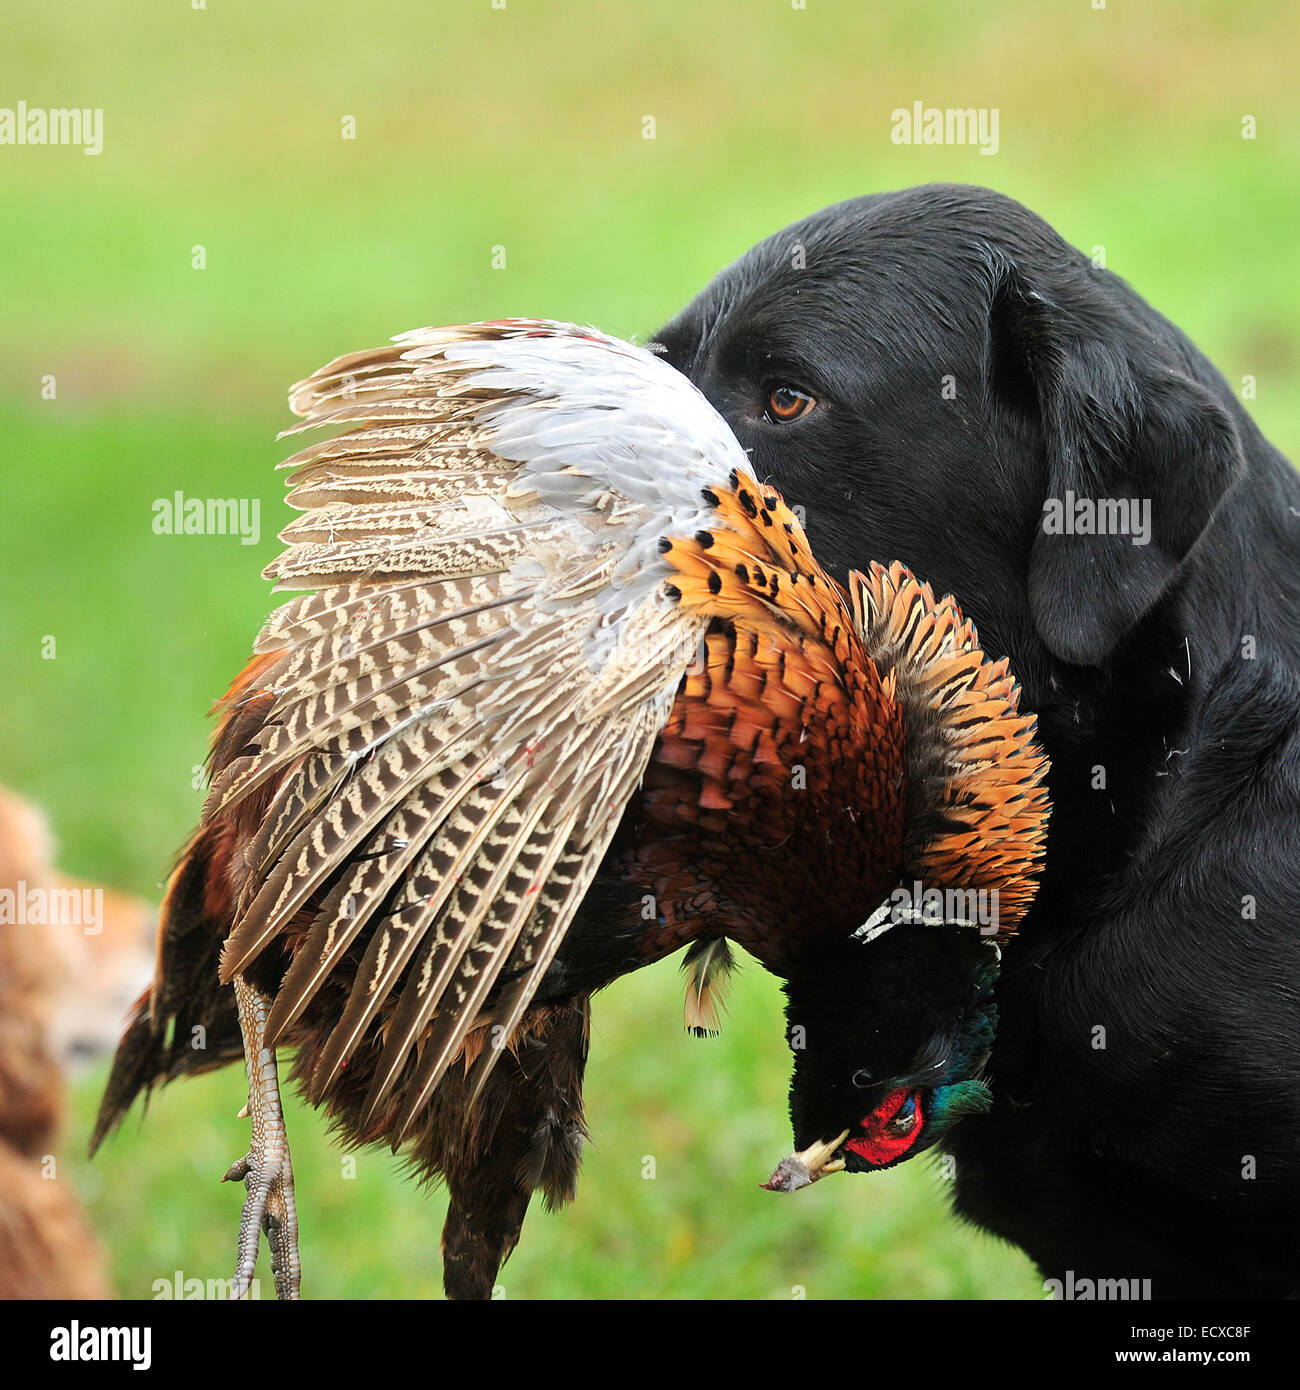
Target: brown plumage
[(571, 692)]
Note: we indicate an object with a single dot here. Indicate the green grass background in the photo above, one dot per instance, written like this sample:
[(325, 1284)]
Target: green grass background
[(520, 127)]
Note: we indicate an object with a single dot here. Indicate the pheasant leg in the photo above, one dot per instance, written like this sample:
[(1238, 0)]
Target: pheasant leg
[(265, 1169)]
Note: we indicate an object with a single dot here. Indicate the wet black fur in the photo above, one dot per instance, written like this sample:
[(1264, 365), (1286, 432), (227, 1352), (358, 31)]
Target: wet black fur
[(1125, 1160)]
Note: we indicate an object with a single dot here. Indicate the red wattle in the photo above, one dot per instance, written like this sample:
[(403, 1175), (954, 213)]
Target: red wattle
[(879, 1148)]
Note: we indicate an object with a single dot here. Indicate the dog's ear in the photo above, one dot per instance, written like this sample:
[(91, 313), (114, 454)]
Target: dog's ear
[(1129, 438)]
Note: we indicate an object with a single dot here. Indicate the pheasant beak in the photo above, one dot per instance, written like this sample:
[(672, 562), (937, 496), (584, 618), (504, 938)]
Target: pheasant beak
[(800, 1169)]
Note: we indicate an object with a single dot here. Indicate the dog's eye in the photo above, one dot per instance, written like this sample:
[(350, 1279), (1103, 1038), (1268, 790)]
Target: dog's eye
[(786, 403)]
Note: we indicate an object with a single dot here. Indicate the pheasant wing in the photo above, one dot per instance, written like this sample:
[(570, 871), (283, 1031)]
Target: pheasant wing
[(457, 716)]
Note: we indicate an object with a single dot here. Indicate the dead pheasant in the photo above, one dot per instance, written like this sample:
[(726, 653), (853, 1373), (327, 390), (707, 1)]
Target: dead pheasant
[(572, 693)]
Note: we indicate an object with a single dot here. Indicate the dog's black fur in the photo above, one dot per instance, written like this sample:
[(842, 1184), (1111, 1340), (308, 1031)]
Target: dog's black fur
[(1147, 1066)]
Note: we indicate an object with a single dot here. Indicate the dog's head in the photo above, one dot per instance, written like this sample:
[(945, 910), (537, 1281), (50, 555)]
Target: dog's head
[(936, 377)]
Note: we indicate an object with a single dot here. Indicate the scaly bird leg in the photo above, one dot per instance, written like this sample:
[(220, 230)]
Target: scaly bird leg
[(265, 1169)]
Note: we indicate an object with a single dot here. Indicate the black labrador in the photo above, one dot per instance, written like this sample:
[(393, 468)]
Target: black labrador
[(936, 377)]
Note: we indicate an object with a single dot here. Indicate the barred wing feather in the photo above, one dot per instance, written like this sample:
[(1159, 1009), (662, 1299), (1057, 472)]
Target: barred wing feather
[(470, 696)]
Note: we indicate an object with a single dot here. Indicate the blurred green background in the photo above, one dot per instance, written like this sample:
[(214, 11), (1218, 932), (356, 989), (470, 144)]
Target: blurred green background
[(519, 127)]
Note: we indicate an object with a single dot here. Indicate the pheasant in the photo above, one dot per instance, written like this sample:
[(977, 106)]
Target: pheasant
[(568, 693)]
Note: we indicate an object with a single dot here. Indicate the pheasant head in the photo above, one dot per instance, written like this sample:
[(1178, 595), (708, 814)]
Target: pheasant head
[(889, 1040)]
